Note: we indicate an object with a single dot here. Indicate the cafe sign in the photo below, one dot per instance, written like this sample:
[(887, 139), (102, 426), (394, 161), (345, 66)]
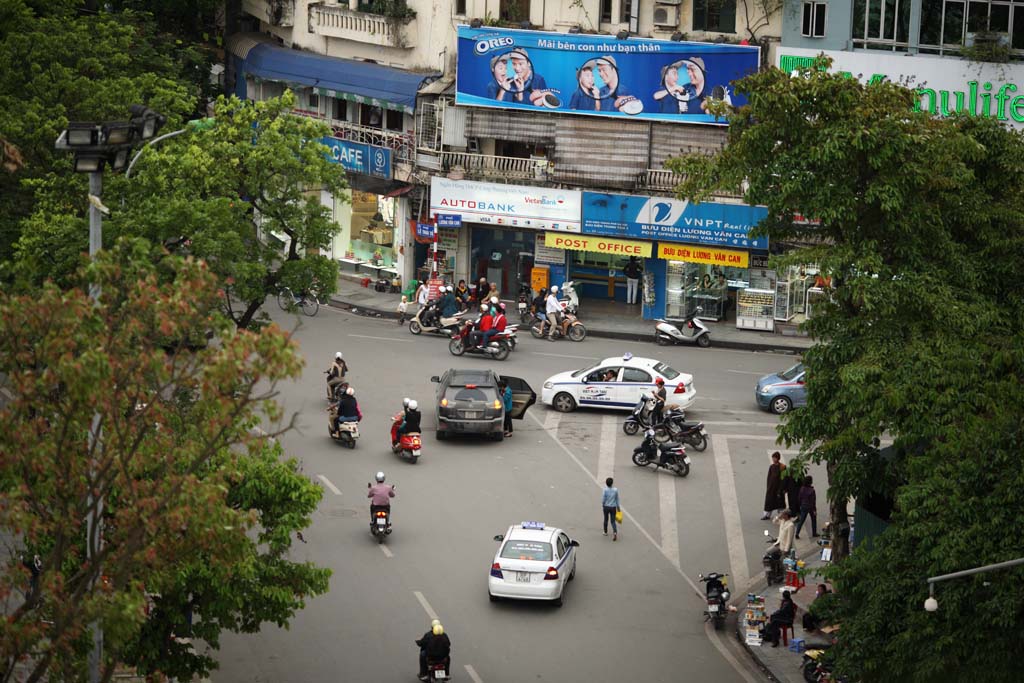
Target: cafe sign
[(601, 245), (696, 254)]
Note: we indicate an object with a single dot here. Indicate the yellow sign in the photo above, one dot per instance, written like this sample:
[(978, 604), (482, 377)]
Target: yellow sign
[(601, 245), (696, 254)]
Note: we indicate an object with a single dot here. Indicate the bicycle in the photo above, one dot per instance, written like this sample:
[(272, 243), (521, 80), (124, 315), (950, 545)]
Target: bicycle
[(289, 301)]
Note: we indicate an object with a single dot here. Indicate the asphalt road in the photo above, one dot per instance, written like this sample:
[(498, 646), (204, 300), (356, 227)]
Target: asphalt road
[(632, 613)]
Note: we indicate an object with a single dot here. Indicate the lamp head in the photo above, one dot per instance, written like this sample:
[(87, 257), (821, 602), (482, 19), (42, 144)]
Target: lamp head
[(931, 604)]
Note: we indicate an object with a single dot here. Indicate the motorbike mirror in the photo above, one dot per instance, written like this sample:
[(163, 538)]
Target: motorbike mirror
[(499, 537), (435, 378), (368, 485), (700, 577)]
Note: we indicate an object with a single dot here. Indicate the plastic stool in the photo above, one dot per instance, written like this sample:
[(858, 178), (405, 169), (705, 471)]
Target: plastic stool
[(782, 632), (797, 645)]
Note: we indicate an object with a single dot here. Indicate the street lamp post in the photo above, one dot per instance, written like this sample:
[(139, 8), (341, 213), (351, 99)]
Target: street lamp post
[(96, 144), (932, 605)]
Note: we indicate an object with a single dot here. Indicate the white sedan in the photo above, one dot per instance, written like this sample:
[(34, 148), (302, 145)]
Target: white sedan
[(533, 562), (616, 383)]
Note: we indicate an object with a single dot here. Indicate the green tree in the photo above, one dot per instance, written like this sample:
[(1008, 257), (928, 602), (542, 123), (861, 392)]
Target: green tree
[(182, 478), (920, 222)]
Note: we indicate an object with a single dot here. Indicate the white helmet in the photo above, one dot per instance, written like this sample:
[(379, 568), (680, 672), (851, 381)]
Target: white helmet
[(413, 405), (554, 289), (338, 356), (483, 307), (380, 477), (350, 392), (494, 300), (405, 402)]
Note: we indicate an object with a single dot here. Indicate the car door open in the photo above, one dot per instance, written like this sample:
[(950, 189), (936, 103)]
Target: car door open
[(522, 396)]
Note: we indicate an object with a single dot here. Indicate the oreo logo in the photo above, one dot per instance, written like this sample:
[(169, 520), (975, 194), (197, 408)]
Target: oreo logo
[(486, 45)]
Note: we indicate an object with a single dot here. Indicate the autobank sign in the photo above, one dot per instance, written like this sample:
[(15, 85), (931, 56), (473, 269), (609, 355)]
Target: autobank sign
[(944, 85), (508, 206)]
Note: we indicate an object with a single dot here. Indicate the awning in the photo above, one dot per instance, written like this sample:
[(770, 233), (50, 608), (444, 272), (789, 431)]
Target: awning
[(363, 82), (400, 191)]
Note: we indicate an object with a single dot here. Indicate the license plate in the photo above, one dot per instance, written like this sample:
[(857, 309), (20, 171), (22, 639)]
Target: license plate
[(416, 452), (712, 608), (381, 521), (440, 674), (703, 431), (471, 414), (686, 459), (523, 577)]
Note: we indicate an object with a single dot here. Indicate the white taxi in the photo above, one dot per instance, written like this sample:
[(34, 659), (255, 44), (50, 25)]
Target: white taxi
[(616, 383), (533, 562)]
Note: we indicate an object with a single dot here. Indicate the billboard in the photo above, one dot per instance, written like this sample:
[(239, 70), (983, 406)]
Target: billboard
[(509, 206), (598, 75), (359, 158), (672, 220)]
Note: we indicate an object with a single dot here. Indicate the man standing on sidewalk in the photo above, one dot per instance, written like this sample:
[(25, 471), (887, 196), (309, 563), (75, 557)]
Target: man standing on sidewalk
[(632, 272)]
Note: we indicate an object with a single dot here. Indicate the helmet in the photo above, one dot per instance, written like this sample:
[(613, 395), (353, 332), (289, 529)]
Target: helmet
[(554, 289), (413, 405), (405, 402), (380, 477), (435, 622), (659, 381), (350, 392), (494, 300), (483, 307), (338, 355), (438, 630)]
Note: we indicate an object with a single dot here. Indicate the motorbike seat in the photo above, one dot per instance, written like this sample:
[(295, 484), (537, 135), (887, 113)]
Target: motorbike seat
[(666, 447)]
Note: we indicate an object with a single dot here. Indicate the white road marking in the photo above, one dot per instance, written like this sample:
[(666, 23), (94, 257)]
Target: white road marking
[(606, 456), (669, 524), (747, 372), (731, 411), (730, 510), (366, 336), (712, 635), (384, 549), (473, 674), (327, 482), (734, 423), (551, 420), (561, 355), (426, 605)]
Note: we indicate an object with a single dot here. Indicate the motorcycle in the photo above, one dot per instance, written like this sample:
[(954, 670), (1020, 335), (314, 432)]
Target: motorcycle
[(523, 305), (647, 453), (642, 416), (675, 427), (814, 667), (717, 593), (498, 348), (438, 672), (569, 300), (409, 445), (772, 562), (347, 432), (571, 327), (693, 331), (380, 525), (442, 325)]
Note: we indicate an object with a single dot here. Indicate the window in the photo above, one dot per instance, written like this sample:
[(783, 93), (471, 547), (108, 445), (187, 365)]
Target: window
[(606, 10), (813, 24), (666, 371), (313, 101), (604, 375), (514, 10), (370, 116), (460, 7), (561, 546), (537, 551), (625, 7), (339, 109), (883, 24), (948, 24), (393, 120), (718, 16), (636, 375)]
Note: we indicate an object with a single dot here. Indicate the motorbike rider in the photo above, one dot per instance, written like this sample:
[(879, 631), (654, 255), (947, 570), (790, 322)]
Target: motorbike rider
[(435, 648), (553, 308), (493, 301), (347, 409), (540, 306), (410, 422), (336, 373), (380, 495), (482, 325), (660, 396), (497, 326), (449, 306), (397, 422)]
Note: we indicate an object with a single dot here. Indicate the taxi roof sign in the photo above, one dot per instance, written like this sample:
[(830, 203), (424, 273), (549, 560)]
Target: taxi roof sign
[(533, 525), (627, 356)]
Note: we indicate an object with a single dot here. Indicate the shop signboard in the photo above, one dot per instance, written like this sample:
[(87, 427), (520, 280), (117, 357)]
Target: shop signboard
[(601, 245), (359, 158), (695, 254), (598, 75), (449, 220), (944, 85), (425, 231), (507, 206), (542, 253), (672, 220)]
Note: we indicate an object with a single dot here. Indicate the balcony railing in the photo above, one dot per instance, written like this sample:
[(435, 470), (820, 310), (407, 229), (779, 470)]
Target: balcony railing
[(335, 21), (274, 12), (401, 143), (660, 179), (494, 167)]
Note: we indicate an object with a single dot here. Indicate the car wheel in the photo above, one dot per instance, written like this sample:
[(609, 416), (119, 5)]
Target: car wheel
[(441, 436), (492, 598), (564, 403), (572, 574), (558, 601), (781, 404)]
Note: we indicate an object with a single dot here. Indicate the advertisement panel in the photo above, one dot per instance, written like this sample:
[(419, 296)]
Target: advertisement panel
[(509, 206), (945, 85), (359, 158), (693, 254), (672, 220), (598, 75), (542, 253), (601, 245)]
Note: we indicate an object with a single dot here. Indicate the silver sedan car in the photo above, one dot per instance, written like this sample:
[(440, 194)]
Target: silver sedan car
[(781, 392)]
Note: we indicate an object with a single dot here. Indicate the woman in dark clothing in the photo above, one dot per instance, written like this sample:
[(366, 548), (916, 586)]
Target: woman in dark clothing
[(808, 506), (774, 498), (791, 484), (783, 616)]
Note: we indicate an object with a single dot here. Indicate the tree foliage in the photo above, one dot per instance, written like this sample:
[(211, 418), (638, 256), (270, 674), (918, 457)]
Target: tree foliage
[(920, 223), (196, 511)]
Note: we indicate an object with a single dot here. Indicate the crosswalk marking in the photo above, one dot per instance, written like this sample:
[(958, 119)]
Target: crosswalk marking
[(730, 511), (669, 522), (606, 453)]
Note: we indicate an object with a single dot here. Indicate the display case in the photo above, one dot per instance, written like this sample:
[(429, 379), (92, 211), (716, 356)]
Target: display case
[(755, 309), (691, 285), (754, 618)]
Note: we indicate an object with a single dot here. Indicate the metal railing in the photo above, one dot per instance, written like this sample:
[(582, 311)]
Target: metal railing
[(495, 167), (660, 179), (401, 143), (338, 21)]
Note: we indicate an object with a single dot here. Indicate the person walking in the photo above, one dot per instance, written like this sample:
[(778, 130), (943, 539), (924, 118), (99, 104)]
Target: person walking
[(421, 296), (808, 506), (506, 398), (632, 272), (403, 309), (791, 485), (610, 504), (774, 498)]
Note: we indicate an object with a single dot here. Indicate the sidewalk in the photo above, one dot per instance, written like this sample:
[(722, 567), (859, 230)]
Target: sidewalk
[(781, 663), (603, 319)]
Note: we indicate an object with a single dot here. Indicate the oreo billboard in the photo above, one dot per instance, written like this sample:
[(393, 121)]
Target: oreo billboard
[(597, 75)]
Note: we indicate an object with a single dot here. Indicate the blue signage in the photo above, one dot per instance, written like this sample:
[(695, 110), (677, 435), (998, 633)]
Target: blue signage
[(672, 220), (449, 220), (425, 231), (659, 80), (359, 158)]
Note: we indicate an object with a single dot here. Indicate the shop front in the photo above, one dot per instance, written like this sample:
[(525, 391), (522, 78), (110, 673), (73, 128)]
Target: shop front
[(701, 256), (509, 229)]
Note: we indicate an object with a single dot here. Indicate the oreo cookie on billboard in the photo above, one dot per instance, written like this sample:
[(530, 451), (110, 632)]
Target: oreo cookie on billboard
[(632, 107)]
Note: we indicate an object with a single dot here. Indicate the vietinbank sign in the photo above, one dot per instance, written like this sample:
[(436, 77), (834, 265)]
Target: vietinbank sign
[(944, 85), (507, 206)]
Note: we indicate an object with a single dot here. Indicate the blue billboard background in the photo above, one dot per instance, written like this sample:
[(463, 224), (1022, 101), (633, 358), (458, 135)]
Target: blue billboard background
[(359, 158), (672, 220), (596, 75)]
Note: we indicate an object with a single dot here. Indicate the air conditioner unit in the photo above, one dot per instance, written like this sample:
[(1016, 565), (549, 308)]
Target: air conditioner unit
[(666, 15)]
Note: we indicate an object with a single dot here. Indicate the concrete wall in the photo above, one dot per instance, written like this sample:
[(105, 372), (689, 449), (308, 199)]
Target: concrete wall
[(838, 26)]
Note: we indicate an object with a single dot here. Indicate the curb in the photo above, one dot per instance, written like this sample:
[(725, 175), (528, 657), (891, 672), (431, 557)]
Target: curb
[(601, 334)]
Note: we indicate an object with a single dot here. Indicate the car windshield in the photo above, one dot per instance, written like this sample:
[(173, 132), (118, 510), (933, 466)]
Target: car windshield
[(467, 394), (666, 371), (792, 372), (586, 369), (527, 550)]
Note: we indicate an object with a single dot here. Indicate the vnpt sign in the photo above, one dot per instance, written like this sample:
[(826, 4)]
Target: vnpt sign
[(359, 158)]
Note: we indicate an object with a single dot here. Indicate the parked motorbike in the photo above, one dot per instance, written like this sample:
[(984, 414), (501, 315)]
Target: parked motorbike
[(772, 562), (498, 347), (523, 305), (675, 427), (510, 334), (691, 331), (571, 327), (814, 667), (642, 416), (569, 300), (441, 325), (649, 453), (409, 445), (347, 432), (716, 592)]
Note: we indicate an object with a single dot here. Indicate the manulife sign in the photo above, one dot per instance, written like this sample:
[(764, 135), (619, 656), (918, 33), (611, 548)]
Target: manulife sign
[(945, 86)]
